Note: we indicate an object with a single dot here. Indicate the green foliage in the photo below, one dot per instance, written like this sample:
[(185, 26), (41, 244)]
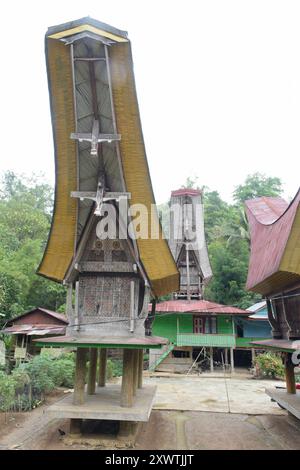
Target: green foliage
[(28, 383), (269, 365), (25, 216), (7, 391), (113, 368), (64, 371), (257, 185), (41, 372)]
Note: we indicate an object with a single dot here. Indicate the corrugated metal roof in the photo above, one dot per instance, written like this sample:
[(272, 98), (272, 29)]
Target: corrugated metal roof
[(29, 330), (58, 316), (197, 306), (267, 209), (257, 306), (186, 192), (275, 244)]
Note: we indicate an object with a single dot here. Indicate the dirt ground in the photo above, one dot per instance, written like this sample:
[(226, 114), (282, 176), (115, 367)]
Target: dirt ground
[(208, 426)]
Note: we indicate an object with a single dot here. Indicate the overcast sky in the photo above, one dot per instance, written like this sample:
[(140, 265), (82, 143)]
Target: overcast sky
[(218, 86)]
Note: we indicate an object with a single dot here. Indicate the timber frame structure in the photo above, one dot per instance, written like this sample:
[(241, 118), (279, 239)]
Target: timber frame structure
[(101, 165)]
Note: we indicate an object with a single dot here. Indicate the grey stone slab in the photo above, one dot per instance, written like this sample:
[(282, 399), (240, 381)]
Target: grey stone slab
[(289, 401), (105, 404)]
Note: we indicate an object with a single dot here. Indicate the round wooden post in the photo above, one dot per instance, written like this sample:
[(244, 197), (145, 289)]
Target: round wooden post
[(211, 355), (92, 371), (141, 368), (80, 371), (289, 374), (232, 360), (102, 367), (127, 378), (135, 370)]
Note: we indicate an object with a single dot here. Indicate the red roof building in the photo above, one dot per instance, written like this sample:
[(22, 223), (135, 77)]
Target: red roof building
[(38, 322)]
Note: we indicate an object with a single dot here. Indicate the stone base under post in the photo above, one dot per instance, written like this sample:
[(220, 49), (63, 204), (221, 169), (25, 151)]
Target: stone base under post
[(75, 426)]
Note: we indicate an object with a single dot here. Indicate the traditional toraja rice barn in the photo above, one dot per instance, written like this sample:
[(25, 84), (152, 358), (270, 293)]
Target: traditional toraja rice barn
[(199, 332), (188, 244), (101, 165), (274, 272)]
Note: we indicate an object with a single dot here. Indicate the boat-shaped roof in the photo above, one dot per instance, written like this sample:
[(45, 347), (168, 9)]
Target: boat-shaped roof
[(275, 244), (69, 49)]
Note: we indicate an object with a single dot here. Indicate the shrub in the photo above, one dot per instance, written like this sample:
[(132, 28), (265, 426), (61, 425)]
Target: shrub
[(63, 372), (113, 368), (41, 372), (269, 365), (7, 391)]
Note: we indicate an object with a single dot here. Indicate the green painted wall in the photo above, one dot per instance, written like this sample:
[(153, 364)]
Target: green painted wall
[(224, 325), (166, 325)]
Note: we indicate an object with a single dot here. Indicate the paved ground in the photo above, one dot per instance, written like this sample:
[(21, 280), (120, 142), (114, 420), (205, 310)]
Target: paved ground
[(223, 395), (190, 413), (201, 430)]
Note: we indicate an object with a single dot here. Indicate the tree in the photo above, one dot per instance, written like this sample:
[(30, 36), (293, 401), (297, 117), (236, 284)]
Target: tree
[(257, 185), (25, 215)]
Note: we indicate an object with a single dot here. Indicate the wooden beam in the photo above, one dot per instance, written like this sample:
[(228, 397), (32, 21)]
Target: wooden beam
[(80, 372), (92, 371), (102, 367), (141, 368), (127, 378), (289, 374)]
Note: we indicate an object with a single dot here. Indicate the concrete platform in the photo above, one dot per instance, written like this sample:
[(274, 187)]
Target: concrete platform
[(105, 404), (289, 401)]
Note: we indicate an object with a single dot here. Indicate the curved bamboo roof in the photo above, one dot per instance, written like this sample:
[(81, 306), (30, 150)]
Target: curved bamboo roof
[(70, 92)]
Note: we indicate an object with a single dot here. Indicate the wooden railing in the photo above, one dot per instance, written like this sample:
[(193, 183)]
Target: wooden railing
[(206, 339)]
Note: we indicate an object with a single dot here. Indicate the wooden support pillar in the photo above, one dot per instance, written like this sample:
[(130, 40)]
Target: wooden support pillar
[(92, 371), (127, 378), (141, 368), (135, 370), (127, 428), (102, 367), (80, 371), (211, 352), (289, 374), (232, 360), (226, 357), (253, 356)]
